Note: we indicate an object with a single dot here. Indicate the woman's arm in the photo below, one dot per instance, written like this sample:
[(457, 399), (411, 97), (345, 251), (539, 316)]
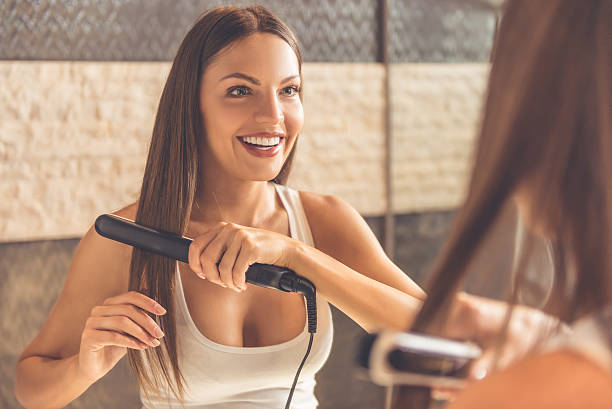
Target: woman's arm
[(85, 333), (47, 370), (349, 268), (557, 380)]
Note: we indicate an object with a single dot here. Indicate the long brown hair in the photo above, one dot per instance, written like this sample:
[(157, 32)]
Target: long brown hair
[(546, 131), (170, 178)]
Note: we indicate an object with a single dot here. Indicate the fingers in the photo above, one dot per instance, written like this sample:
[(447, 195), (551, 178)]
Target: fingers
[(137, 315), (227, 265), (243, 262), (197, 247), (123, 321), (139, 300), (123, 325), (213, 255), (480, 368), (98, 339)]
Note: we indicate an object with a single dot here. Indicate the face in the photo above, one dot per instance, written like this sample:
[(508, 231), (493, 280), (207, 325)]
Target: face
[(250, 103)]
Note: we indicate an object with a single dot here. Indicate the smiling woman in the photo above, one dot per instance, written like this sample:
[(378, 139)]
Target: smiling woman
[(221, 151)]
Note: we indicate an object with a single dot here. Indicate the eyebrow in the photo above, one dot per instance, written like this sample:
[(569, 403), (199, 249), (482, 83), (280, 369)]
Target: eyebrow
[(254, 80)]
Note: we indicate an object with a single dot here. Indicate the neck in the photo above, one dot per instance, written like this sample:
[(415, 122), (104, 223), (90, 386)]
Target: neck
[(227, 199)]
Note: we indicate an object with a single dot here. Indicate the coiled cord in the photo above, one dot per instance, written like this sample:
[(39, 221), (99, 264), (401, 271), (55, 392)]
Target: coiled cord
[(301, 285)]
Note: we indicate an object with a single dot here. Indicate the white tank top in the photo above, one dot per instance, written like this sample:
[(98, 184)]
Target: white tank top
[(227, 377)]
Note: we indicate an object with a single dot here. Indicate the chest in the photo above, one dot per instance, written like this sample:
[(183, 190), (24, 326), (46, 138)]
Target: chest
[(256, 317)]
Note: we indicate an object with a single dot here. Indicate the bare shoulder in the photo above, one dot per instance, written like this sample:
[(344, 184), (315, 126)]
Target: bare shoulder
[(324, 207), (332, 218), (561, 380), (108, 255), (341, 232)]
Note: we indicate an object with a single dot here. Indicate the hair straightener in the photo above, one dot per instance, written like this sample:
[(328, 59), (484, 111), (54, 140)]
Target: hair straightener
[(177, 247), (402, 358)]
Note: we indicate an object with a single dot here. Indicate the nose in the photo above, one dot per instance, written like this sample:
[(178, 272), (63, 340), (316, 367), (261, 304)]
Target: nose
[(269, 109)]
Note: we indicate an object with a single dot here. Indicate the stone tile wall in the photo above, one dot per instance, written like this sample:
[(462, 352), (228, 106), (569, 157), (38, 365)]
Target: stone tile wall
[(74, 136)]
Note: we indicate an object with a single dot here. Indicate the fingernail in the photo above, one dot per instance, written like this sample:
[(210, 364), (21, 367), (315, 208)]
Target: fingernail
[(158, 332), (480, 373), (160, 310), (156, 342)]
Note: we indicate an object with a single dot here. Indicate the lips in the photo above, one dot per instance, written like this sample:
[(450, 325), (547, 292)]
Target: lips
[(262, 144)]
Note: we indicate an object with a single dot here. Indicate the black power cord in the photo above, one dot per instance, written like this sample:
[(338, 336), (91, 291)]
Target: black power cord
[(294, 283), (297, 375)]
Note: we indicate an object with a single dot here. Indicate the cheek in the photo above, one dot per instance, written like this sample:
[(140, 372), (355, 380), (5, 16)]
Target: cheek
[(294, 118), (222, 120)]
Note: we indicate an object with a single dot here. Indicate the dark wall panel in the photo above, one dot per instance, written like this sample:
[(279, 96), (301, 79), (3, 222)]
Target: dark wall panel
[(418, 239), (329, 30), (440, 31), (151, 30)]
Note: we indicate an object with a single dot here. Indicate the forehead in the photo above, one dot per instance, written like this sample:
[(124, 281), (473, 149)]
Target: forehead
[(262, 55)]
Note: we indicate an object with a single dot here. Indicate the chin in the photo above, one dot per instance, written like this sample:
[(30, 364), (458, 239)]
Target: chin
[(262, 176)]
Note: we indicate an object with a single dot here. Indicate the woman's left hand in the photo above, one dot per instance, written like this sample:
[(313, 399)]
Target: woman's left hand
[(223, 254), (481, 320)]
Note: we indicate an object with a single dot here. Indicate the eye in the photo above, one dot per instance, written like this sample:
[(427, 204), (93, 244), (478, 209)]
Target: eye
[(239, 91), (291, 91)]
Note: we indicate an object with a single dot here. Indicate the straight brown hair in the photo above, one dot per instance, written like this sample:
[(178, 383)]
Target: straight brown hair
[(171, 173), (546, 131)]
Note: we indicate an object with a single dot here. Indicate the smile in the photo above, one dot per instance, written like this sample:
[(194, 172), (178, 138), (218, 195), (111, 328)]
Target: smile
[(262, 146)]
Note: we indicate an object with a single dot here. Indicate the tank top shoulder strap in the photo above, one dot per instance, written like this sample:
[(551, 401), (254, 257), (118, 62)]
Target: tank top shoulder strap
[(298, 222)]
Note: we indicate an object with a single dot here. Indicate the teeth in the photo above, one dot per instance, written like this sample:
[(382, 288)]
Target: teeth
[(262, 141)]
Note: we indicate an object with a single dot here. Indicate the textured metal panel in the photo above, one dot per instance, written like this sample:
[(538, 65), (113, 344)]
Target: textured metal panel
[(151, 30), (440, 30)]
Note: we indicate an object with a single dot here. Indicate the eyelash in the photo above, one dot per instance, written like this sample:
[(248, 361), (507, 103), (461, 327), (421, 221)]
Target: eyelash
[(247, 91)]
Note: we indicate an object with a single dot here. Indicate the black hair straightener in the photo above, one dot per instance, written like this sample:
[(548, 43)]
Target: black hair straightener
[(177, 247)]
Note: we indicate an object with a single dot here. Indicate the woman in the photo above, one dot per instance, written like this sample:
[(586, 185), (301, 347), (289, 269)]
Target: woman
[(227, 125), (221, 150), (546, 142)]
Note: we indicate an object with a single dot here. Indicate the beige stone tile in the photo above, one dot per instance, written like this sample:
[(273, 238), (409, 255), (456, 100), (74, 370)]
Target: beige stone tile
[(74, 136), (73, 141), (341, 149), (435, 117)]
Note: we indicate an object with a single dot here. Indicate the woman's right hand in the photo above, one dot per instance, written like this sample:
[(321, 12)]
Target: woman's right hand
[(121, 322)]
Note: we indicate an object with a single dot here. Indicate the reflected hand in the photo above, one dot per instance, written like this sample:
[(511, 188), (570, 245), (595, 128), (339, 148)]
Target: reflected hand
[(481, 319)]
